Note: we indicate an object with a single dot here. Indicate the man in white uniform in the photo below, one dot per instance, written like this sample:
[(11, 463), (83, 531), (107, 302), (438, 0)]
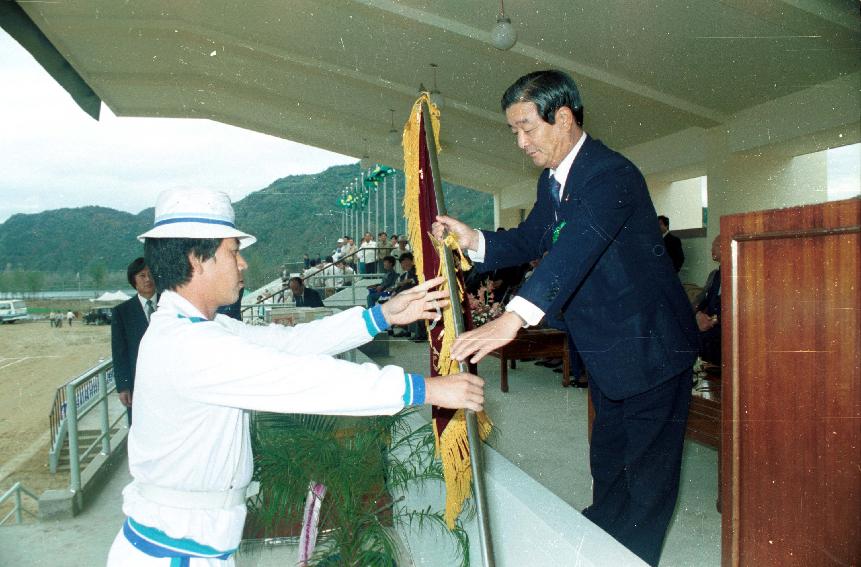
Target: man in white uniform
[(198, 373)]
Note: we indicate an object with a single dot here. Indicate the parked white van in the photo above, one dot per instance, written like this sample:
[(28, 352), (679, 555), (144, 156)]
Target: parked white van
[(12, 310)]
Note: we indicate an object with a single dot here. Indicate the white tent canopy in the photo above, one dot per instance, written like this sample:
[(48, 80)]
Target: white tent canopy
[(112, 296)]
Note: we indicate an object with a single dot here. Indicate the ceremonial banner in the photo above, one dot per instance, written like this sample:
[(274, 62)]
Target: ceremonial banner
[(421, 209)]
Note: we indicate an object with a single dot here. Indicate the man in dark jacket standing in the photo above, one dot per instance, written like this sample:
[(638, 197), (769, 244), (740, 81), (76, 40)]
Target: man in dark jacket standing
[(129, 322), (607, 282), (672, 243)]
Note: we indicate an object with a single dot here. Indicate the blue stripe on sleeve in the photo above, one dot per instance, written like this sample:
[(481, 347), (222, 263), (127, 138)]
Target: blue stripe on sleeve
[(375, 322), (418, 389), (414, 389), (379, 318)]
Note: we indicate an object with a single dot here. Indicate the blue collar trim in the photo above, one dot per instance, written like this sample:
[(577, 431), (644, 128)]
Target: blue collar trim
[(192, 319)]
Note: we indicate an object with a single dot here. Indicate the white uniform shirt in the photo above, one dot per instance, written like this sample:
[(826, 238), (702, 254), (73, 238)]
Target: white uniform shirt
[(193, 384), (368, 252)]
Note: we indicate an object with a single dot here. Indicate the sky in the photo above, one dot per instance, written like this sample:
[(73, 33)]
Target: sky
[(53, 155)]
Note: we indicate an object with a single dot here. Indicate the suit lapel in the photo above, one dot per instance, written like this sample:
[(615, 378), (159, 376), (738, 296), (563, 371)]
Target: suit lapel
[(576, 174)]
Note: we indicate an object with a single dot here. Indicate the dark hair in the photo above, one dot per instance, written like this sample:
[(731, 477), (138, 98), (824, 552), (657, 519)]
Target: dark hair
[(665, 220), (405, 256), (296, 279), (168, 261), (549, 90), (390, 259), (136, 267)]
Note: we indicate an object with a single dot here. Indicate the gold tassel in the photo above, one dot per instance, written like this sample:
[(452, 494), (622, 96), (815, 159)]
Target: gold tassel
[(457, 471), (452, 446)]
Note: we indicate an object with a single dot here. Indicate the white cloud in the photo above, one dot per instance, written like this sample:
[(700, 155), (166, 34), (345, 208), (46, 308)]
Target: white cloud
[(53, 155)]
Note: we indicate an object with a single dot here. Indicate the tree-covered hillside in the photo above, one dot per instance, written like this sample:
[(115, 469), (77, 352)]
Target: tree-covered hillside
[(292, 216)]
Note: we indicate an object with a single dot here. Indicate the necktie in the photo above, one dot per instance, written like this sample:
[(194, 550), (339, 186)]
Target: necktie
[(554, 189), (149, 309)]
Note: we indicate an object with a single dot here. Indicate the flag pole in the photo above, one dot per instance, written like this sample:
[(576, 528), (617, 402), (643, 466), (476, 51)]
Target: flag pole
[(447, 259)]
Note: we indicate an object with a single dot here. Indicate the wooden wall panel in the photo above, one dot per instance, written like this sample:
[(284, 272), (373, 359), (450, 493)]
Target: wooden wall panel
[(792, 386)]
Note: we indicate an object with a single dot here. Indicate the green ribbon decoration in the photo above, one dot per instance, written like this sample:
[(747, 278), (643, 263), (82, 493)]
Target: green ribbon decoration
[(557, 230)]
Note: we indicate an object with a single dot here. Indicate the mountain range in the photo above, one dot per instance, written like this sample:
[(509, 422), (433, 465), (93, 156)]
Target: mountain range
[(292, 216)]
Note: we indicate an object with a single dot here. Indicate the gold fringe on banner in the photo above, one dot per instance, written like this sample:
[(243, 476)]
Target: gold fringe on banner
[(452, 445)]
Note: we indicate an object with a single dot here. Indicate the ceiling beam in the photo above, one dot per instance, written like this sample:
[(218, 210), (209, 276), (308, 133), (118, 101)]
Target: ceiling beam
[(483, 36)]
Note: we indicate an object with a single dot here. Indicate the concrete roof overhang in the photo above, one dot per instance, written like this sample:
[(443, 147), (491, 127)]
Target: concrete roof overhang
[(326, 73)]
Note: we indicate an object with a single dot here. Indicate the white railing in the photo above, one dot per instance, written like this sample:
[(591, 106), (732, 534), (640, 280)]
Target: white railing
[(18, 510), (72, 402)]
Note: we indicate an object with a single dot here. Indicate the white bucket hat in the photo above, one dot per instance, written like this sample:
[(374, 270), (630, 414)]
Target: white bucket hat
[(195, 213)]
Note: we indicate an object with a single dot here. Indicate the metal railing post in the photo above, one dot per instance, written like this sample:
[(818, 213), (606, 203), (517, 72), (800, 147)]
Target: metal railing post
[(19, 514), (74, 460), (106, 424)]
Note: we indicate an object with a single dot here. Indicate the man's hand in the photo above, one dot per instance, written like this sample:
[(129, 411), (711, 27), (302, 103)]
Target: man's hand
[(125, 398), (416, 303), (704, 322), (456, 391), (490, 336), (466, 236)]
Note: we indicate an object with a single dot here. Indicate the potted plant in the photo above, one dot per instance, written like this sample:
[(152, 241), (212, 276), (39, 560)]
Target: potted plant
[(361, 461)]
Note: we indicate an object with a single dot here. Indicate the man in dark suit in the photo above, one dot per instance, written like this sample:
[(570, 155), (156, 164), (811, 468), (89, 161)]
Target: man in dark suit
[(708, 311), (672, 243), (304, 296), (606, 281), (129, 322)]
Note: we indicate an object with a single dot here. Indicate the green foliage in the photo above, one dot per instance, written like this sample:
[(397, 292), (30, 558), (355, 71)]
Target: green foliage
[(360, 460), (98, 272), (292, 216)]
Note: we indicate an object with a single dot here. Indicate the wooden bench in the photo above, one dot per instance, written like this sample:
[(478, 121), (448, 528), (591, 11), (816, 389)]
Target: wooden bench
[(534, 343)]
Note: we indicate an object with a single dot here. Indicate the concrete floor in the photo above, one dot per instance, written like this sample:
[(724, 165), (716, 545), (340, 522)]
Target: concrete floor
[(541, 428)]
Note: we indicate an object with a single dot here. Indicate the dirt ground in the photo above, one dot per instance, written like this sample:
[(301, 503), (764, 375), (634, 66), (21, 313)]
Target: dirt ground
[(35, 359)]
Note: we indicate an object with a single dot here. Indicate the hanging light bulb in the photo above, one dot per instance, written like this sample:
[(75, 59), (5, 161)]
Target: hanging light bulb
[(435, 95), (393, 137), (503, 36)]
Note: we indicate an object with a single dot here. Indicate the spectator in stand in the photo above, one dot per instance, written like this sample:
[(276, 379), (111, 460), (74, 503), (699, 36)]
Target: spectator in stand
[(398, 252), (384, 248), (349, 251), (672, 243), (393, 241), (338, 251), (129, 322), (306, 260), (343, 275), (304, 296), (408, 279), (367, 254), (387, 285), (708, 312)]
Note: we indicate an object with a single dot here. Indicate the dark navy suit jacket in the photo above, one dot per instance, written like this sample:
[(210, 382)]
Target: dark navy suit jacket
[(607, 279), (128, 325), (310, 298)]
